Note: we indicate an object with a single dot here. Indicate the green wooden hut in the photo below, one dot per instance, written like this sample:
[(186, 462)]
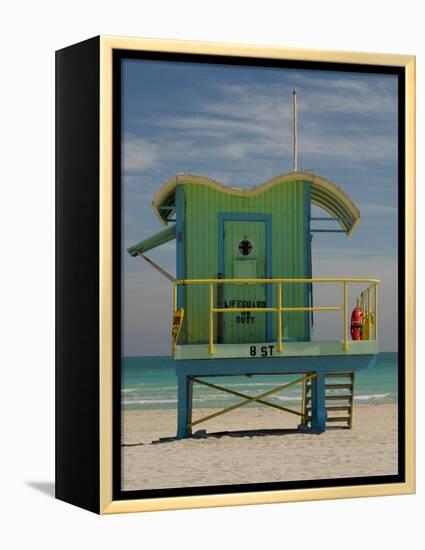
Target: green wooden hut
[(232, 233), (243, 288)]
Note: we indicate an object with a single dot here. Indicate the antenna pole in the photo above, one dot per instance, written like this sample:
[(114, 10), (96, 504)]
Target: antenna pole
[(294, 132)]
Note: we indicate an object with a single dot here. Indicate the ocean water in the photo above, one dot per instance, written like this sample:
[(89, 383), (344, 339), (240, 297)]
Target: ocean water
[(150, 383)]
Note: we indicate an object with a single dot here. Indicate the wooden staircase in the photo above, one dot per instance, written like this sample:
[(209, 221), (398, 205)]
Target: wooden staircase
[(339, 399)]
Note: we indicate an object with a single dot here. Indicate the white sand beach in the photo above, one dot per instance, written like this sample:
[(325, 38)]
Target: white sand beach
[(255, 455)]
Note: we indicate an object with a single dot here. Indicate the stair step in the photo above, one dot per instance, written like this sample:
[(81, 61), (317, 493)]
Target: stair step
[(336, 408), (334, 419), (340, 403), (335, 387), (339, 375), (334, 397), (339, 386)]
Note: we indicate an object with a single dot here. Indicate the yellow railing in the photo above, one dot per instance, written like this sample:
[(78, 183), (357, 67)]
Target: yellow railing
[(368, 300)]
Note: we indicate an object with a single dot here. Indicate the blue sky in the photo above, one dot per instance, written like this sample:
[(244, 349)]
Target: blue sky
[(233, 124)]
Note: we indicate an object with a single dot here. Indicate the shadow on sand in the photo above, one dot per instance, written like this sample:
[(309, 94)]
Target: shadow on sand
[(202, 434)]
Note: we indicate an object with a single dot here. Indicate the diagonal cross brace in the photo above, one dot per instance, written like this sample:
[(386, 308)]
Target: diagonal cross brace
[(246, 396), (249, 399)]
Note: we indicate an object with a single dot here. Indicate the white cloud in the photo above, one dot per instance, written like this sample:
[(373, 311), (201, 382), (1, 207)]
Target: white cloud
[(139, 154), (254, 121)]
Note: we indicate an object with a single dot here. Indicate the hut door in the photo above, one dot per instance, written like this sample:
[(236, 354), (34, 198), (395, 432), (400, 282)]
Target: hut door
[(244, 250)]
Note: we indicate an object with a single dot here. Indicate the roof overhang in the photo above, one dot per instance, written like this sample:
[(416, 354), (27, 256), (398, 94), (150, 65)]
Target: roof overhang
[(324, 194), (153, 241)]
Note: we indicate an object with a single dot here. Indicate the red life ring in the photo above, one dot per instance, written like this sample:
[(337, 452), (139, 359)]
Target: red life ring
[(356, 323)]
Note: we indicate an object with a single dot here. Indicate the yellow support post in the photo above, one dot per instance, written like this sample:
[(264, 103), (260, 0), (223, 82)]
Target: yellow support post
[(211, 346), (376, 312), (174, 297), (279, 317), (345, 318), (369, 316), (368, 300)]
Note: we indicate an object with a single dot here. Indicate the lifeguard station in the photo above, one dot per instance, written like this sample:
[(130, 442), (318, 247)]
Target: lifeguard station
[(243, 293)]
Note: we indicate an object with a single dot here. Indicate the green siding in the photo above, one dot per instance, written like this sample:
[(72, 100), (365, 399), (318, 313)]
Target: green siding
[(202, 207)]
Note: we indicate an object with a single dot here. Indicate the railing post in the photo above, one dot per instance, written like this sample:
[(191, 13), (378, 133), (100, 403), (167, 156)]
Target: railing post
[(345, 318), (279, 318), (174, 297), (219, 314), (369, 317), (376, 311), (211, 345)]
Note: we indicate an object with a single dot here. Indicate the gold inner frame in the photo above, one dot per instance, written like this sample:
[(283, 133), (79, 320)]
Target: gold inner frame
[(107, 504)]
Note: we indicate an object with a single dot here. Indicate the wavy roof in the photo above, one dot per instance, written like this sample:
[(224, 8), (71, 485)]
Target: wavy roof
[(324, 193)]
